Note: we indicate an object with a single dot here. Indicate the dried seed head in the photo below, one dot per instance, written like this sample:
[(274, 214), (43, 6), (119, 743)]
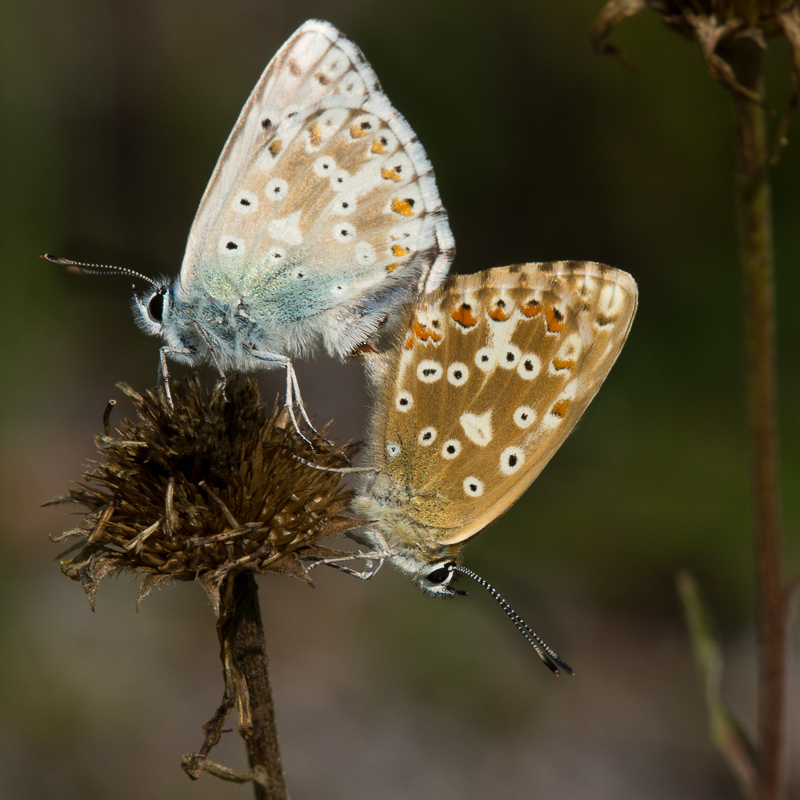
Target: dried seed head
[(713, 24), (721, 28), (204, 490)]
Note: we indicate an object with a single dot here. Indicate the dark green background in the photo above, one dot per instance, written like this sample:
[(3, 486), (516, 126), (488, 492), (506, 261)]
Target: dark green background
[(113, 114)]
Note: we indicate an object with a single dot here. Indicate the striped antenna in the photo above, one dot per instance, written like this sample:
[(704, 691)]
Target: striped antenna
[(545, 653), (79, 268)]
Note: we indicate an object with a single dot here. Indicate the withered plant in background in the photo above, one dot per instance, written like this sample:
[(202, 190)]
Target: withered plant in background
[(212, 490), (732, 36)]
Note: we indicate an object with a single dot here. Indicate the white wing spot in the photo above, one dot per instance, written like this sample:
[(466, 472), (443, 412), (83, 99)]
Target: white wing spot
[(333, 119), (530, 365), (473, 487), (451, 448), (276, 190), (230, 245), (245, 203), (393, 449), (365, 254), (343, 232), (457, 373), (511, 459), (324, 167), (478, 427), (484, 359), (427, 436), (524, 417), (404, 401), (352, 84), (612, 299), (338, 179), (334, 65), (286, 229), (429, 371), (345, 205), (509, 357)]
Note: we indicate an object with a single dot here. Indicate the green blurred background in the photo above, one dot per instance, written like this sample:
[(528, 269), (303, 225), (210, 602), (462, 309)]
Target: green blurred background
[(113, 115)]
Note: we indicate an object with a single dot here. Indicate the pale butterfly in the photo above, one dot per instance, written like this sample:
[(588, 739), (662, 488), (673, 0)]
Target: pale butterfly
[(321, 219), (490, 375)]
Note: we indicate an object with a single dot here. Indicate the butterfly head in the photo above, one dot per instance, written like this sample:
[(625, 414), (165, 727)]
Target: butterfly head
[(152, 308), (159, 312), (433, 577)]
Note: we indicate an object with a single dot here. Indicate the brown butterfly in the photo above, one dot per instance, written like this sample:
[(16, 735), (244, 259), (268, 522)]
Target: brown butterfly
[(491, 374)]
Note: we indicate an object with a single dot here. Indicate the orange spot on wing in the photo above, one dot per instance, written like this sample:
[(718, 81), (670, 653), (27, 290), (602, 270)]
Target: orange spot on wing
[(379, 146), (531, 309), (356, 131), (423, 334), (560, 408), (563, 363), (404, 207), (409, 342), (390, 175), (497, 313), (399, 251), (275, 147), (463, 316), (555, 319), (314, 135), (392, 267)]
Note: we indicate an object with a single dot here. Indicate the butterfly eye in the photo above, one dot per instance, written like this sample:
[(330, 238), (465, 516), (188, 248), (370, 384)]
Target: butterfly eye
[(155, 307), (440, 575)]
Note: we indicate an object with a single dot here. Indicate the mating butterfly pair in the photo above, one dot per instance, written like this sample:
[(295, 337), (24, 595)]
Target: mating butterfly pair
[(322, 228)]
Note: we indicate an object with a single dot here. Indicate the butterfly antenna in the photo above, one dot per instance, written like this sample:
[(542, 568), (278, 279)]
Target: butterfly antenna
[(548, 656), (79, 268)]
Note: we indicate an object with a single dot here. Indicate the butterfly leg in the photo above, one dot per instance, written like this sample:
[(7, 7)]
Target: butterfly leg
[(209, 344), (292, 390), (163, 369), (302, 406), (340, 470), (373, 562)]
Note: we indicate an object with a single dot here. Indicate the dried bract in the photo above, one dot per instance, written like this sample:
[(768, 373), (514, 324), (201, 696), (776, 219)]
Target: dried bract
[(205, 490), (715, 25)]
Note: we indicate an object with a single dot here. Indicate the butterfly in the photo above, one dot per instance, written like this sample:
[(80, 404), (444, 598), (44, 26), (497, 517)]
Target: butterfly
[(491, 373), (321, 219)]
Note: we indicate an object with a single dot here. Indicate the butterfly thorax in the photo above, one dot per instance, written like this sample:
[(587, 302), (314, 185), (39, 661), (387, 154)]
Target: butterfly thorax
[(200, 328)]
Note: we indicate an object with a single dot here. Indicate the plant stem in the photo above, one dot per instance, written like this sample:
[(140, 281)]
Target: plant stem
[(241, 635), (754, 216)]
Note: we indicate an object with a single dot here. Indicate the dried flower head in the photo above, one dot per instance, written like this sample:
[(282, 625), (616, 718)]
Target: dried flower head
[(715, 25), (204, 490)]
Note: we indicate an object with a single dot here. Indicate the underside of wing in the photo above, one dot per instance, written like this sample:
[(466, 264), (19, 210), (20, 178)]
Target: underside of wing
[(322, 192), (495, 371)]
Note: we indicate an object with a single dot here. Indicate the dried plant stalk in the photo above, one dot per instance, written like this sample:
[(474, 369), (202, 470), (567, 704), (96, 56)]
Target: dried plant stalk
[(732, 36), (214, 489)]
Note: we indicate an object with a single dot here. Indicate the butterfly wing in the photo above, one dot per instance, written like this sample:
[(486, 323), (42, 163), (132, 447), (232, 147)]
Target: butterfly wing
[(495, 371), (322, 193)]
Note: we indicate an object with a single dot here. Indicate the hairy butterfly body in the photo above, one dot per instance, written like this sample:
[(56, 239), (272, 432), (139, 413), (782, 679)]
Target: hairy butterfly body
[(321, 219), (492, 373)]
